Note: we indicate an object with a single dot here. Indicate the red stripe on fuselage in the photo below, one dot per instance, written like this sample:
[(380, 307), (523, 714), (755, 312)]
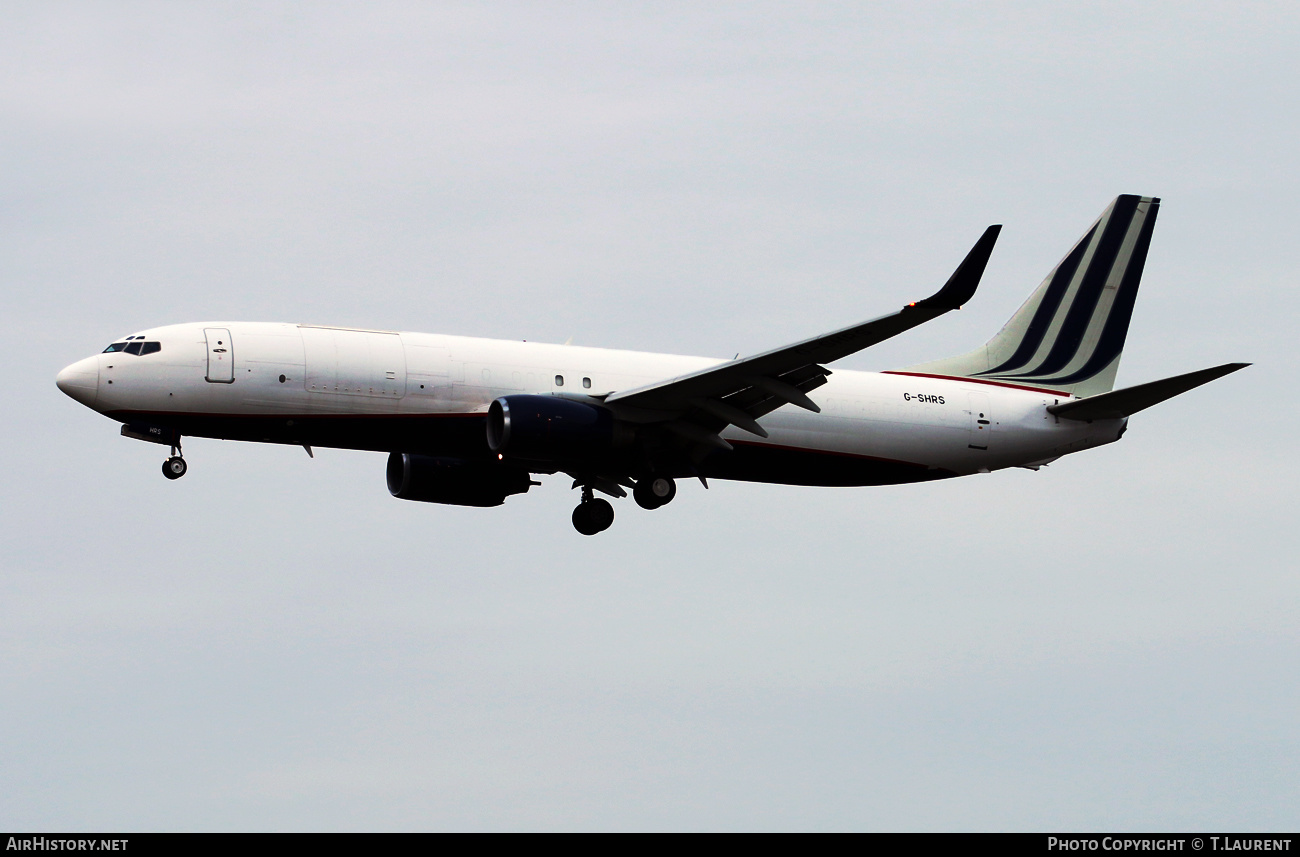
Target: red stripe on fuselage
[(982, 381)]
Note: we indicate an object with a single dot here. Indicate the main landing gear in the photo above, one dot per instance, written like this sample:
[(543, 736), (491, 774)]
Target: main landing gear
[(595, 515), (592, 515), (175, 467), (654, 491)]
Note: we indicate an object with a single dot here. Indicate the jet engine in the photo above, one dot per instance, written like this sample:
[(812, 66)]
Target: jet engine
[(454, 481), (549, 428)]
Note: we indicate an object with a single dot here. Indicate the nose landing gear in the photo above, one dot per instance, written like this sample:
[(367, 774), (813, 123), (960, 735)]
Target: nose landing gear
[(592, 515), (175, 467)]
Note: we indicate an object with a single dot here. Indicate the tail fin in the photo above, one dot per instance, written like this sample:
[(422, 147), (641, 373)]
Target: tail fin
[(1070, 333)]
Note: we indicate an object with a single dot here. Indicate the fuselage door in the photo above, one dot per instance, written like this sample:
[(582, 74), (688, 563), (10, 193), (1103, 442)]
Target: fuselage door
[(981, 421), (221, 356), (349, 362)]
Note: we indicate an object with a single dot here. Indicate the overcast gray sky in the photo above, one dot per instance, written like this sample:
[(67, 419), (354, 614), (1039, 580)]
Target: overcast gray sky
[(275, 643)]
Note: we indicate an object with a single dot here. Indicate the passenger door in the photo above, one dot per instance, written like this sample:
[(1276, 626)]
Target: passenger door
[(221, 356)]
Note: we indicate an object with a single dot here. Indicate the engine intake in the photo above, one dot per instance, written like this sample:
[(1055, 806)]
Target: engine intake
[(453, 481), (549, 428)]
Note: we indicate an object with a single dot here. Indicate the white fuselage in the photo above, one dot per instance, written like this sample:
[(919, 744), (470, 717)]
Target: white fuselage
[(225, 372)]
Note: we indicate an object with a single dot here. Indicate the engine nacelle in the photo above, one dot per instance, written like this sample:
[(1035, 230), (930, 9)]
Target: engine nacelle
[(549, 428), (453, 480)]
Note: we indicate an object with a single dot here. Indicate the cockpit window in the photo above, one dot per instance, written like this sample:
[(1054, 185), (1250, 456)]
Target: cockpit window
[(135, 346)]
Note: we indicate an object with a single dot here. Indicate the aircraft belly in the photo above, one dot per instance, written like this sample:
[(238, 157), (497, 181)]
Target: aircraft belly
[(765, 462), (828, 449), (459, 435)]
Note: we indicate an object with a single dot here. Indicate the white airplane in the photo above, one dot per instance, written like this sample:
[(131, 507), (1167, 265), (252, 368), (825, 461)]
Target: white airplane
[(469, 421)]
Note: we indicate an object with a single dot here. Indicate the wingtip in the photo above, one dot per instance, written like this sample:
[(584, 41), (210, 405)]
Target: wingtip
[(961, 286)]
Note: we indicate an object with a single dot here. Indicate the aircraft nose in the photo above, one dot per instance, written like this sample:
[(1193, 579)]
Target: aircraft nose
[(81, 380)]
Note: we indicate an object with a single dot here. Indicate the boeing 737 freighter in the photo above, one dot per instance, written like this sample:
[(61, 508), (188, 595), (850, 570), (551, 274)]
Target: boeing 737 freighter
[(470, 421)]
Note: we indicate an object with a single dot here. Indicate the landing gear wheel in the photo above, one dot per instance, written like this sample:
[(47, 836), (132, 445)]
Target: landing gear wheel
[(174, 467), (593, 516), (582, 521), (654, 491), (602, 513)]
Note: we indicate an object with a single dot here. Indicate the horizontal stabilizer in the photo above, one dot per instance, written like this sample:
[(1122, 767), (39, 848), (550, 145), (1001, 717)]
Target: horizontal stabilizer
[(1128, 401)]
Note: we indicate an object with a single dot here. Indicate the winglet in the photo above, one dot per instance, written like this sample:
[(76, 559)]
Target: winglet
[(960, 287)]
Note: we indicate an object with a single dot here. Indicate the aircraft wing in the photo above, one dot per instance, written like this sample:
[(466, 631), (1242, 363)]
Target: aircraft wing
[(699, 405), (1128, 401)]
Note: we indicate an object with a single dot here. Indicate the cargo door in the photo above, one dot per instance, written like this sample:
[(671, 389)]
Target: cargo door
[(354, 362), (221, 356)]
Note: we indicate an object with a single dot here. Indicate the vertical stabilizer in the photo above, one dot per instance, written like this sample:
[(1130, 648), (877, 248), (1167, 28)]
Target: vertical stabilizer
[(1070, 334)]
